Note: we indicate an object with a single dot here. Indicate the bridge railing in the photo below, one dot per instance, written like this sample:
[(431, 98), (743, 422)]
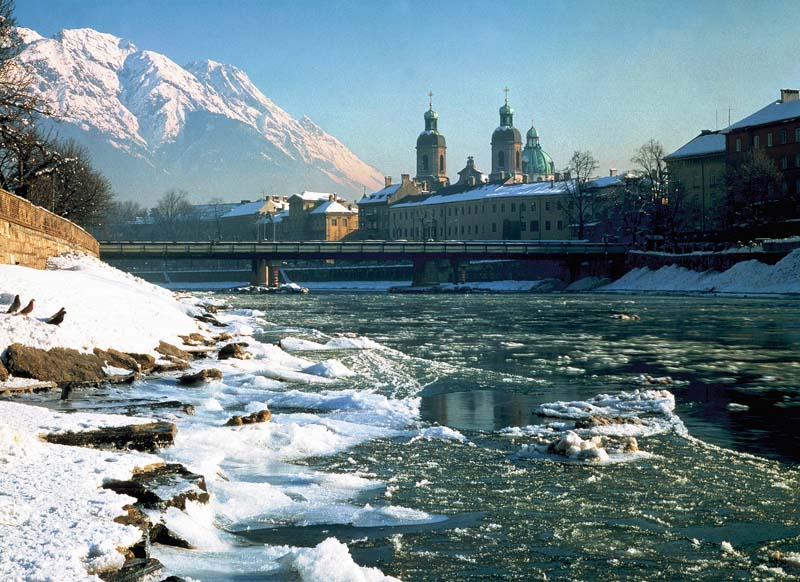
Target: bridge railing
[(511, 248)]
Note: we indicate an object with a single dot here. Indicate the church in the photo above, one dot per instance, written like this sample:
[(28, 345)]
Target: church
[(511, 163), (520, 199)]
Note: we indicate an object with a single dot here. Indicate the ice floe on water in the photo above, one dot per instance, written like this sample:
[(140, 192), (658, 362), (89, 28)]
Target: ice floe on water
[(601, 429)]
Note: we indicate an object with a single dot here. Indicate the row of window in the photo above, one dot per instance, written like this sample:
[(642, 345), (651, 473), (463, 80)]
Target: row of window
[(425, 163), (478, 208), (334, 221), (533, 226), (501, 160), (783, 139)]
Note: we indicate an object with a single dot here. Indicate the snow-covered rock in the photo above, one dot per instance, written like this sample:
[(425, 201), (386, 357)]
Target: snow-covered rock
[(145, 119)]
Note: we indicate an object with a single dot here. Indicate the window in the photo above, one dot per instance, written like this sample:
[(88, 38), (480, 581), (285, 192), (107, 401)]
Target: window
[(424, 162), (797, 186), (547, 205), (769, 139), (534, 226), (494, 227), (502, 207), (522, 207), (469, 209), (344, 222), (462, 229), (784, 187), (513, 207), (558, 205), (333, 222), (469, 229), (756, 141), (738, 144), (533, 206), (518, 165), (522, 225), (462, 211), (797, 160), (501, 159), (449, 212), (797, 134), (494, 207), (560, 225), (547, 225), (441, 164), (784, 162), (784, 136)]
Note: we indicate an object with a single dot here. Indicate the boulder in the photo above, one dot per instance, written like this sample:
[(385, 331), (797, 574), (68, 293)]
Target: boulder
[(118, 359), (3, 372), (256, 417), (170, 364), (64, 366), (235, 350), (163, 486), (146, 361), (171, 351), (196, 339), (137, 518), (210, 319), (204, 375), (141, 437), (134, 570), (223, 337)]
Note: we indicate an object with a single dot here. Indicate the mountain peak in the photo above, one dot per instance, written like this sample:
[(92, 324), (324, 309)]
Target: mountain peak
[(190, 126)]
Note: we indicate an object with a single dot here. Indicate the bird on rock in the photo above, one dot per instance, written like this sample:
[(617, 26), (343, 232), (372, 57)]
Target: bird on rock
[(15, 305), (57, 317), (27, 309)]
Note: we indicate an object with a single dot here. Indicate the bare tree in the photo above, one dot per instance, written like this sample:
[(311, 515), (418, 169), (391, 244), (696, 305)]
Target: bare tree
[(755, 194), (580, 200), (630, 208), (650, 164), (173, 214)]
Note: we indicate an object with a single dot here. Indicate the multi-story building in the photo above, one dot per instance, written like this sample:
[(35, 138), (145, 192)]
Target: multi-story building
[(318, 216), (494, 211), (775, 132), (697, 169), (373, 209)]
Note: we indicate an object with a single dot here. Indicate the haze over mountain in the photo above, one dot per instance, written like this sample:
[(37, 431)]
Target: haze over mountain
[(152, 125)]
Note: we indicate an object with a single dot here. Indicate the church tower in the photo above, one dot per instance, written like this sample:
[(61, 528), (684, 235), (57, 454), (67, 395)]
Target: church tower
[(536, 164), (432, 152), (506, 147)]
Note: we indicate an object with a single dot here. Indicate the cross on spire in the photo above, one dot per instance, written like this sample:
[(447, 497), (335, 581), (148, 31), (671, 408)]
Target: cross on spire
[(506, 92), (430, 99)]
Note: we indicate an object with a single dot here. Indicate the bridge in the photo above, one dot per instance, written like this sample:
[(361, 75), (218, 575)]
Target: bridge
[(427, 257)]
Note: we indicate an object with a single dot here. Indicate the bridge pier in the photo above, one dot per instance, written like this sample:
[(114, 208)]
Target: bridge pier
[(260, 272), (433, 271)]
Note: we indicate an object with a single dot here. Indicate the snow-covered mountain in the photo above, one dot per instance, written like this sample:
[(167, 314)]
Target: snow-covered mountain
[(151, 124)]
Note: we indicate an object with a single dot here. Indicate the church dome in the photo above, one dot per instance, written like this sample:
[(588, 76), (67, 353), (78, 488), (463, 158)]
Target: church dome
[(532, 133), (506, 133), (430, 139), (431, 114), (506, 110), (536, 161)]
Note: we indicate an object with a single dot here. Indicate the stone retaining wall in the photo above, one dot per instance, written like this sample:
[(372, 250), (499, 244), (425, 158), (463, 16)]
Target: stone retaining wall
[(29, 234)]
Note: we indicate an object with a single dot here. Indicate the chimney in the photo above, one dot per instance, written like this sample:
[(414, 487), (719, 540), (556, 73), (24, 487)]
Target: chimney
[(789, 95), (612, 171), (553, 182), (387, 180), (331, 197), (404, 179)]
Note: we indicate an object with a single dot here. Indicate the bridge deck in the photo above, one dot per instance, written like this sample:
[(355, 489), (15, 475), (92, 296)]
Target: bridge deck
[(372, 250)]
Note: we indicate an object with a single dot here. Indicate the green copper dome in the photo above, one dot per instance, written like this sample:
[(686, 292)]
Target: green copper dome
[(533, 134), (506, 110), (431, 114)]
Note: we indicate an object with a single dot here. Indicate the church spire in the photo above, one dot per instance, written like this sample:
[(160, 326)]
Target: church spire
[(431, 116), (506, 113)]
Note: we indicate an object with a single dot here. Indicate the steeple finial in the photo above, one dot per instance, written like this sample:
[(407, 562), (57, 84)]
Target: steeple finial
[(430, 99), (506, 92)]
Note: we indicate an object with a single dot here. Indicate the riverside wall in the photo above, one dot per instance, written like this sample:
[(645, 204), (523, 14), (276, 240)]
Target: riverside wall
[(29, 234)]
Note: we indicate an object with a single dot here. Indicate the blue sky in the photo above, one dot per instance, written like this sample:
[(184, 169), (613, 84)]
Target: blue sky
[(598, 76)]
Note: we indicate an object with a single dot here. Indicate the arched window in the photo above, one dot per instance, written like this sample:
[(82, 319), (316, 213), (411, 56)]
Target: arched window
[(501, 159), (518, 166), (425, 162), (441, 163)]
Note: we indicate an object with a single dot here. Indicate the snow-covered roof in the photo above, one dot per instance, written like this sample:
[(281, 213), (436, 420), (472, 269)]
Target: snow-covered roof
[(704, 144), (313, 196), (606, 182), (277, 217), (775, 111), (245, 209), (491, 191), (332, 207), (380, 195)]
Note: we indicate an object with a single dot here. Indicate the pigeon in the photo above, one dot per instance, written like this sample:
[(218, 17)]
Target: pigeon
[(27, 309), (57, 317), (15, 305)]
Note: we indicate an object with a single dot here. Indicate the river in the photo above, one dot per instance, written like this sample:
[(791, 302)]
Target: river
[(711, 494)]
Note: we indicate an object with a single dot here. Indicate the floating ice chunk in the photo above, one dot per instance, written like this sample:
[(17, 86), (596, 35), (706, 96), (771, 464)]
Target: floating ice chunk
[(195, 525), (329, 369), (391, 515), (292, 344), (330, 561), (727, 548), (441, 432), (574, 447), (736, 407)]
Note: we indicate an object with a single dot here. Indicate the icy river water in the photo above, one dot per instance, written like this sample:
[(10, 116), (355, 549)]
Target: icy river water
[(431, 461)]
